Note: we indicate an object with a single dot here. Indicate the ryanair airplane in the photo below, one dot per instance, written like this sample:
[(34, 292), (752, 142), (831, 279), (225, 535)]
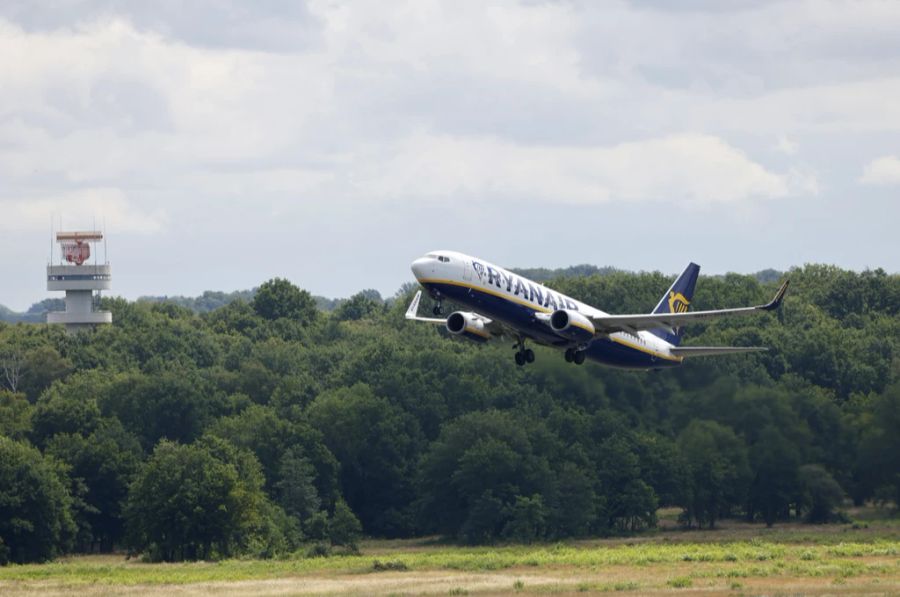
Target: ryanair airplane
[(504, 304)]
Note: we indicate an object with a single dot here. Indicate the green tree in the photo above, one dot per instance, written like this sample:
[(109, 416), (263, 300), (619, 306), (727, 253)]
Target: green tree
[(358, 306), (101, 466), (35, 506), (278, 298), (43, 366), (629, 503), (344, 527), (718, 471), (187, 503), (295, 488), (774, 462), (485, 518), (176, 404), (822, 495), (272, 439), (576, 503), (527, 520), (879, 451), (472, 475), (377, 445), (64, 409), (15, 415)]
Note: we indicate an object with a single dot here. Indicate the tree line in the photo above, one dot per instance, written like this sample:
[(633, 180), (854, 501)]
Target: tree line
[(267, 425)]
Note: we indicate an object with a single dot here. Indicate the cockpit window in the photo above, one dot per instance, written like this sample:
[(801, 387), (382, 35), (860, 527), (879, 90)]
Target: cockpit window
[(443, 259)]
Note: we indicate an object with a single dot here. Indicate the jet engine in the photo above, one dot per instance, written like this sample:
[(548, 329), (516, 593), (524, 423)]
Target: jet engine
[(572, 325), (469, 325)]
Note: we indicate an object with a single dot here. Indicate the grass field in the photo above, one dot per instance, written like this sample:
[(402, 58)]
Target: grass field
[(860, 558)]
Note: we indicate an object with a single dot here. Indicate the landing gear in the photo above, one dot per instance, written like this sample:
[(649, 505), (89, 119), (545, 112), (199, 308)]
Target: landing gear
[(438, 309), (523, 355), (575, 356)]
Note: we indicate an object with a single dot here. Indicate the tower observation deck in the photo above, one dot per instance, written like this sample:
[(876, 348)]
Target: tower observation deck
[(79, 279)]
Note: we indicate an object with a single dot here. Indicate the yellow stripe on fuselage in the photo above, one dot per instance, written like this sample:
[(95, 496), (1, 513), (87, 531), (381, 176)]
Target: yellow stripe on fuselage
[(543, 309), (490, 291)]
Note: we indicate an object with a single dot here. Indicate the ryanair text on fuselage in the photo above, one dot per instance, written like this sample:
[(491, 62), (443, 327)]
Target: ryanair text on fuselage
[(539, 295)]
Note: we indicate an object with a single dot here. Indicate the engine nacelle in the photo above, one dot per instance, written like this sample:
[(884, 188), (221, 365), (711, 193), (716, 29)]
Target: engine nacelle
[(572, 325), (469, 325)]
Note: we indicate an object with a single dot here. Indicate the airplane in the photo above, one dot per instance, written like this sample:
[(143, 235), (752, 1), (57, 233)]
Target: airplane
[(505, 304)]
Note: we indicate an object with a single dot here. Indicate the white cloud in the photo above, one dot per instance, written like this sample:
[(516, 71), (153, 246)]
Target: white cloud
[(104, 100), (270, 117), (786, 145), (882, 171), (80, 210), (690, 168)]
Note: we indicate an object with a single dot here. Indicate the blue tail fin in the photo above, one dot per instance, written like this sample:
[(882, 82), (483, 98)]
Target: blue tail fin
[(676, 300)]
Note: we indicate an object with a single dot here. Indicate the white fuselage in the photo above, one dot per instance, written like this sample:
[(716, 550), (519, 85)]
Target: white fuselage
[(525, 306)]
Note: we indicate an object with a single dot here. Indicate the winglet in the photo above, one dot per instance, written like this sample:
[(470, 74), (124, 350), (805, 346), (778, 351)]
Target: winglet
[(779, 297), (414, 306)]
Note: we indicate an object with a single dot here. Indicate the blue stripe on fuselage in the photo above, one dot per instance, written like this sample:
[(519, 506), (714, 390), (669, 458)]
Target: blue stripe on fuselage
[(521, 317)]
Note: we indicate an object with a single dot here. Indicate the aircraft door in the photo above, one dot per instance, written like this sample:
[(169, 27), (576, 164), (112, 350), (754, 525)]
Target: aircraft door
[(467, 270)]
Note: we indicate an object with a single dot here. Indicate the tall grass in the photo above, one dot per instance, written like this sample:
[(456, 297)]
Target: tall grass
[(729, 559)]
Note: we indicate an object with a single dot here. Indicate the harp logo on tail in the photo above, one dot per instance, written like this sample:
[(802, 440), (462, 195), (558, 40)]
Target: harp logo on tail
[(677, 302)]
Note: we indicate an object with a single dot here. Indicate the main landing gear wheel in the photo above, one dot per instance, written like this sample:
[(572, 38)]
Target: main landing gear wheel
[(438, 309), (523, 355), (575, 356)]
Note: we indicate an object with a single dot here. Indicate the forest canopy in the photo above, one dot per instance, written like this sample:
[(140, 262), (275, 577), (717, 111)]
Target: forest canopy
[(261, 423)]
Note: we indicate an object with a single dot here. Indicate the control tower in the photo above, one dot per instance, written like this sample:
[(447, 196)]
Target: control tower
[(79, 279)]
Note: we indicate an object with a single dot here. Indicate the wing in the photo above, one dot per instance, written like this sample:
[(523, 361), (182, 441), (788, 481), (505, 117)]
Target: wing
[(607, 324), (411, 312)]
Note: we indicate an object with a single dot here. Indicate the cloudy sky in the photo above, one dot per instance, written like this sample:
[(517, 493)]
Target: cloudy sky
[(226, 142)]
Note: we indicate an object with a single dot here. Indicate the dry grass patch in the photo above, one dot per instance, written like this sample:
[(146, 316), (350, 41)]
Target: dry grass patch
[(738, 559)]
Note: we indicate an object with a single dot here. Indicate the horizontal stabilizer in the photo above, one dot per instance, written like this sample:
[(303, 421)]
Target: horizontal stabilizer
[(707, 351)]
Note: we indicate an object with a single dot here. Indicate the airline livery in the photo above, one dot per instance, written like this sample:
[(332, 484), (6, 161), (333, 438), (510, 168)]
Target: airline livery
[(505, 304)]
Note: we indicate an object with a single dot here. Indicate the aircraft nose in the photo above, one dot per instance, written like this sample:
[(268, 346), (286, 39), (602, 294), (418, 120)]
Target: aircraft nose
[(421, 267)]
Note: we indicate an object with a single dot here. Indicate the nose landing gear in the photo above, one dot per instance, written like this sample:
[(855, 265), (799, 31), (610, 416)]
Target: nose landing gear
[(438, 308)]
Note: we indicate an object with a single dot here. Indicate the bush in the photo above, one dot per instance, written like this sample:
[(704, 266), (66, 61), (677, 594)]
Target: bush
[(681, 582), (318, 550), (395, 565)]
